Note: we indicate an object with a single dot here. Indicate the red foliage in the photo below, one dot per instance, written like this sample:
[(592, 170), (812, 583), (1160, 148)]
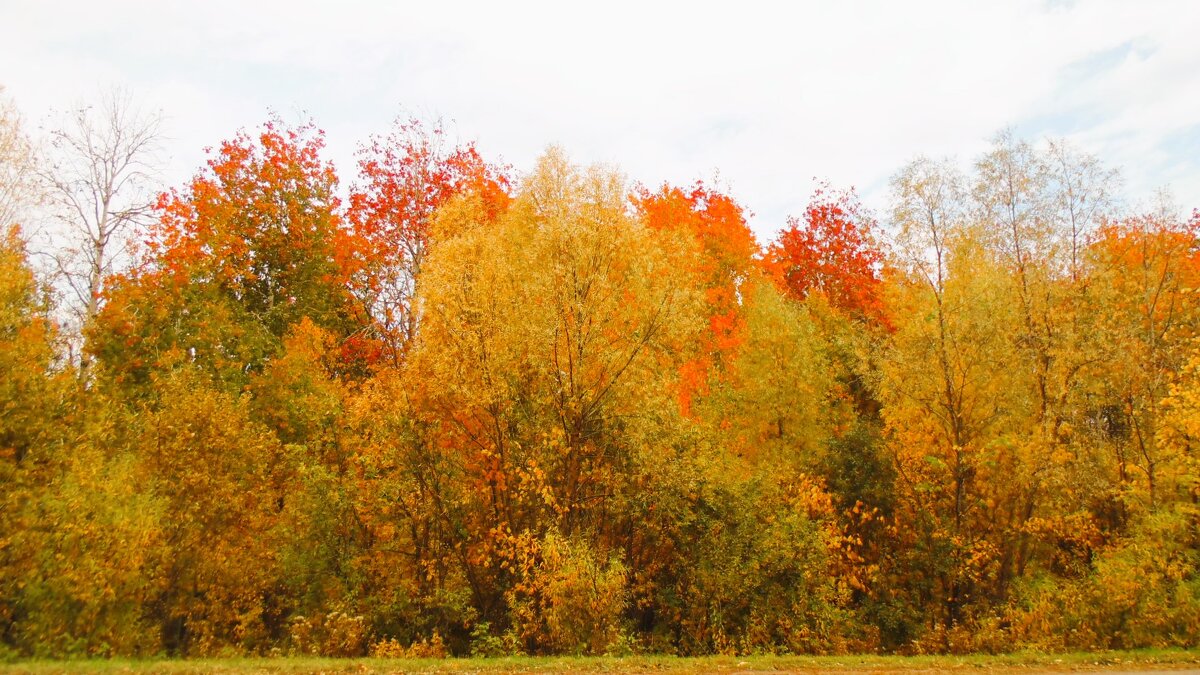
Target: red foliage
[(251, 246), (832, 250), (406, 177)]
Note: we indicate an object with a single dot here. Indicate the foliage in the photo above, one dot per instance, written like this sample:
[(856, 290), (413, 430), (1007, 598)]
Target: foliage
[(253, 245), (466, 412), (568, 599), (832, 250), (425, 648), (335, 633), (407, 176), (1143, 592)]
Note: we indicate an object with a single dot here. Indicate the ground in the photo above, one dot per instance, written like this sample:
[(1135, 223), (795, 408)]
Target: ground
[(1109, 662)]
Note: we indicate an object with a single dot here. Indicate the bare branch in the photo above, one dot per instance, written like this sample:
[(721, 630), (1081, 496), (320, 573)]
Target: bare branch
[(99, 174)]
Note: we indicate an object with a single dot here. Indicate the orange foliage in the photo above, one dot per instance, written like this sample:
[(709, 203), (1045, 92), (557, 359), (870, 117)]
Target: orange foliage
[(832, 250), (723, 259), (251, 246), (265, 207)]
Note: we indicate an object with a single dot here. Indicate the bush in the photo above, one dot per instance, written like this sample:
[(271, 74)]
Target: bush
[(570, 599), (425, 648), (336, 633), (1144, 592), (761, 579), (485, 644)]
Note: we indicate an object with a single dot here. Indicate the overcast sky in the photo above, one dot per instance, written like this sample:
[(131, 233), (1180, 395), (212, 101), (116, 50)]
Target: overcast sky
[(766, 96)]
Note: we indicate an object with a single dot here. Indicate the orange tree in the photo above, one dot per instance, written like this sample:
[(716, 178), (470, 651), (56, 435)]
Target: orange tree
[(253, 244)]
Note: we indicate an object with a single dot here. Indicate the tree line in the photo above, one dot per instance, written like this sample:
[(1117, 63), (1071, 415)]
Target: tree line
[(450, 408)]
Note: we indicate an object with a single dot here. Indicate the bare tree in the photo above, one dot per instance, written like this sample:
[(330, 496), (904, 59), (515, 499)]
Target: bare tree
[(99, 174), (16, 165)]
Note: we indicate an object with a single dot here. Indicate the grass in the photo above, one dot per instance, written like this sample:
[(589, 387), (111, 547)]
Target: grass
[(1020, 662)]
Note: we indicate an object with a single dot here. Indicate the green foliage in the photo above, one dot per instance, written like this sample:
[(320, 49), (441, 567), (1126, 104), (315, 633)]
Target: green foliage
[(758, 577), (485, 644)]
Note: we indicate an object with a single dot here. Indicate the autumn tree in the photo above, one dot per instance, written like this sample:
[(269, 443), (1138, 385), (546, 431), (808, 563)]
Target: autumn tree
[(1141, 589), (1147, 270), (410, 508), (78, 534), (832, 249), (1038, 209), (216, 472), (544, 336), (1179, 433), (832, 258), (405, 176), (773, 404), (28, 348), (946, 389), (26, 398), (713, 241), (93, 530), (250, 247), (1083, 193)]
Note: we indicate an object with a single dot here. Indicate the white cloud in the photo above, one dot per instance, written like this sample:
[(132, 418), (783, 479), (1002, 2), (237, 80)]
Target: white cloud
[(770, 97)]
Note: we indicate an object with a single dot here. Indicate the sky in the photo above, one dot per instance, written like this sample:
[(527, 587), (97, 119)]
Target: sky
[(761, 97)]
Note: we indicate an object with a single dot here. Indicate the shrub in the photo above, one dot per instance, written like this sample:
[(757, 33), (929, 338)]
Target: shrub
[(570, 599), (1143, 592), (425, 648), (336, 633), (485, 644)]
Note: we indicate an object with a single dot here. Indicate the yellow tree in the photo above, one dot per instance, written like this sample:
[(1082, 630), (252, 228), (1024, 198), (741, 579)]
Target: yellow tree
[(79, 528), (96, 533), (549, 346), (775, 405), (1146, 271), (1180, 430), (947, 384), (27, 402), (216, 472), (1036, 210)]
